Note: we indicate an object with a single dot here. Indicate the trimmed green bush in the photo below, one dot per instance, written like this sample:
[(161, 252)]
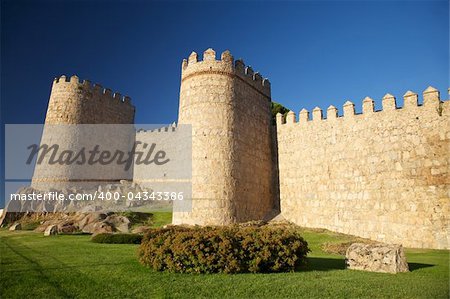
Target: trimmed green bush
[(117, 238), (232, 249), (78, 233)]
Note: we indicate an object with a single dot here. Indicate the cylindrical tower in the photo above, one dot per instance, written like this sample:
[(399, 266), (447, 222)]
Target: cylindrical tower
[(206, 103), (79, 118), (227, 106), (65, 104), (75, 102)]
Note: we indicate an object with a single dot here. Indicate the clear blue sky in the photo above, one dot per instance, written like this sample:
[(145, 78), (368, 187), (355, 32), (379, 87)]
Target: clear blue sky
[(314, 53)]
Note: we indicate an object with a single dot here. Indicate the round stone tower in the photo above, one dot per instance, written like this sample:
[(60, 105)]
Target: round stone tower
[(82, 116), (228, 107), (75, 102)]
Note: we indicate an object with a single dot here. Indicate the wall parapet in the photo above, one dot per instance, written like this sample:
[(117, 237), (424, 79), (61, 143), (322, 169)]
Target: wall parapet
[(381, 175), (86, 85), (226, 65), (431, 103), (166, 128)]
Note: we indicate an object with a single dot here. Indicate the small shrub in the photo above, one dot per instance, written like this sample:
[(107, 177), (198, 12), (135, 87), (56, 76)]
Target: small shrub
[(77, 233), (233, 249), (117, 238)]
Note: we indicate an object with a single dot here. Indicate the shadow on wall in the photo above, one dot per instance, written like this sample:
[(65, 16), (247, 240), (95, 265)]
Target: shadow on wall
[(329, 264)]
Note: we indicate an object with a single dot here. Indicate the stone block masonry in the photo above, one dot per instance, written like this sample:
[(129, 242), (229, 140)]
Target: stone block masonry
[(228, 106), (382, 175), (75, 102), (376, 258)]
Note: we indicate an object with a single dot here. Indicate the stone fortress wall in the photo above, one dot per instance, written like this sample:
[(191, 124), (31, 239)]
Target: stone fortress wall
[(382, 175), (228, 106), (165, 180), (161, 138)]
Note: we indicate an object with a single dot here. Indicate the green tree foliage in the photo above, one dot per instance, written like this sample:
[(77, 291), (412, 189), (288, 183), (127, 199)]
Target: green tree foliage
[(277, 108)]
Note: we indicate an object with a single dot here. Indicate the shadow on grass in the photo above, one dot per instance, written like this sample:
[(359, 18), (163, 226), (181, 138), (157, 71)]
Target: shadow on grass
[(37, 268), (65, 267), (324, 264), (417, 266), (329, 264)]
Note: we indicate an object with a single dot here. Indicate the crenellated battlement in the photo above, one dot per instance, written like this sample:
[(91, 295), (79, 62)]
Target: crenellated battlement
[(217, 98), (378, 174), (226, 65), (255, 79), (97, 90), (381, 175), (209, 63), (431, 104), (166, 128), (73, 101)]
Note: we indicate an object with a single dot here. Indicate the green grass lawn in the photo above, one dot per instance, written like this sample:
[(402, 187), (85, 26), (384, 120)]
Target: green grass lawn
[(34, 266), (161, 218)]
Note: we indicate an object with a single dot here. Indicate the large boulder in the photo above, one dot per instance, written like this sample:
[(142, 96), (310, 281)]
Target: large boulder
[(16, 226), (101, 227), (67, 228), (142, 229), (120, 223), (10, 217), (376, 258), (44, 224), (51, 230), (90, 220)]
